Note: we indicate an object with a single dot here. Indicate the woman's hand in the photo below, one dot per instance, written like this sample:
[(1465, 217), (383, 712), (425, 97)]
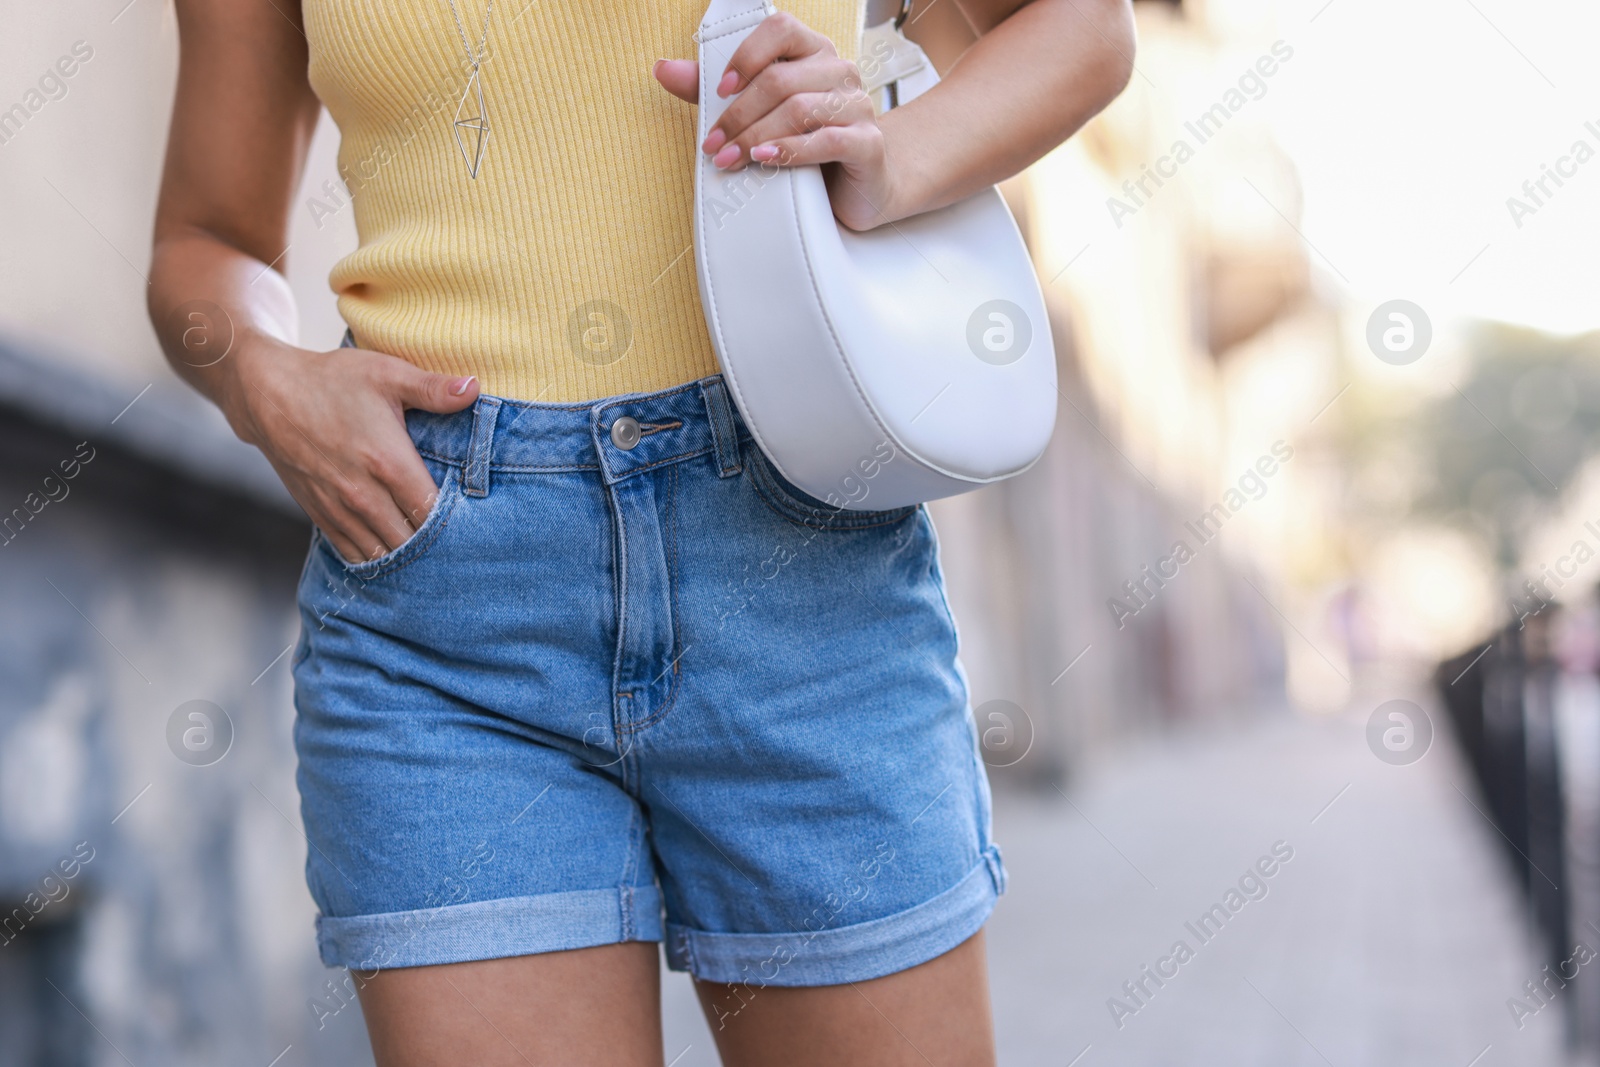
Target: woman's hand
[(1019, 77), (331, 423), (333, 426), (799, 103)]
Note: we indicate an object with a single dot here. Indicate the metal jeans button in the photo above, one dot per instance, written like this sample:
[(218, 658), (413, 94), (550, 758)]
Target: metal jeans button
[(625, 433)]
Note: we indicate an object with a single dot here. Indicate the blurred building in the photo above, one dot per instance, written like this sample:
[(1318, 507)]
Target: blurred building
[(149, 861), (1180, 304)]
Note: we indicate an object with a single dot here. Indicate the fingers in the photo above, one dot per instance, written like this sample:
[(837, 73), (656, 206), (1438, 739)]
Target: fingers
[(378, 509), (406, 487), (353, 538), (858, 145), (345, 454), (780, 36), (426, 391), (341, 543), (788, 99), (680, 77), (373, 521), (345, 530)]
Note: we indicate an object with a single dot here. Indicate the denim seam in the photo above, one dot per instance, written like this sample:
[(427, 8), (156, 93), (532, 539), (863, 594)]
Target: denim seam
[(480, 447), (413, 550), (625, 894), (782, 504), (724, 435), (855, 938), (631, 471), (340, 937), (590, 405), (558, 468), (936, 571), (303, 649), (672, 581), (616, 402), (561, 468), (997, 872), (686, 947), (646, 429), (619, 597)]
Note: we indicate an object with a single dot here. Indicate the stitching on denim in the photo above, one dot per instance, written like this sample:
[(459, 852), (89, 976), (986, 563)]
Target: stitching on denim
[(476, 475), (589, 405), (799, 514), (686, 948), (618, 402), (513, 468), (936, 571), (648, 428), (412, 550), (724, 436), (302, 654), (507, 468), (516, 408), (672, 612), (625, 896), (997, 872), (619, 597), (661, 463)]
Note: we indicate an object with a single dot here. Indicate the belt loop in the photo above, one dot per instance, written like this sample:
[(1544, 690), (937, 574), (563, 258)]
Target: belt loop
[(475, 479), (724, 434)]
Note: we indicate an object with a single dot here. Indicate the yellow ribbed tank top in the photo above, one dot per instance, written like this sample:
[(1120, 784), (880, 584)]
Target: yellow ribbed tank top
[(565, 271)]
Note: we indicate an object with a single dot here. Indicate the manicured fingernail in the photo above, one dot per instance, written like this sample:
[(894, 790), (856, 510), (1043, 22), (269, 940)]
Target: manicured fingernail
[(461, 385), (727, 157), (729, 82), (763, 152), (656, 69), (715, 141)]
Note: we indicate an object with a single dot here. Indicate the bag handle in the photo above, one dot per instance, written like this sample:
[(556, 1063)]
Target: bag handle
[(897, 58), (722, 14)]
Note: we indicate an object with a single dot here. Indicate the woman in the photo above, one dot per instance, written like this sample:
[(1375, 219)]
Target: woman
[(579, 671)]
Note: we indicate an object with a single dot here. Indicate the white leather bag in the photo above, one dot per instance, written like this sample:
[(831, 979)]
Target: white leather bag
[(878, 369)]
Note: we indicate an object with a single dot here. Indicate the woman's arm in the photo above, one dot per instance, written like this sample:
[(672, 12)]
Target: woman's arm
[(1032, 73), (332, 424), (1036, 73)]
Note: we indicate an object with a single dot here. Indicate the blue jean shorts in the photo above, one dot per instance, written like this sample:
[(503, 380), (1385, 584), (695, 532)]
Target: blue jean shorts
[(626, 683)]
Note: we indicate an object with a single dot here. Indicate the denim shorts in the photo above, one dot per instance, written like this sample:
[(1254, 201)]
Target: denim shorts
[(626, 683)]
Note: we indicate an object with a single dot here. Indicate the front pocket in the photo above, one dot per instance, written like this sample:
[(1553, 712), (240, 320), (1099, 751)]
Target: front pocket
[(415, 546), (803, 509)]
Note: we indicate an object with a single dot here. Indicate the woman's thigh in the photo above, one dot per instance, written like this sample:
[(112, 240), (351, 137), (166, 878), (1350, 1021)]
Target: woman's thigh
[(586, 1006), (934, 1013)]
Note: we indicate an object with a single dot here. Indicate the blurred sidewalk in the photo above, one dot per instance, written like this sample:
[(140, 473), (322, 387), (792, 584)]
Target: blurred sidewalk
[(1392, 937)]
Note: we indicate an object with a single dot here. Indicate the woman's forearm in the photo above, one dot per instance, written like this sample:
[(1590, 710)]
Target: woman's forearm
[(211, 305), (1025, 85), (242, 121)]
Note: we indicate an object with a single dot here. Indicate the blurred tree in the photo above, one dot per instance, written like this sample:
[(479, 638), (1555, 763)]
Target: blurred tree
[(1501, 447)]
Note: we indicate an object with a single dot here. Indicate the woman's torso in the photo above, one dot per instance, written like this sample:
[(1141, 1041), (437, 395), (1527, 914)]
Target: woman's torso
[(565, 270)]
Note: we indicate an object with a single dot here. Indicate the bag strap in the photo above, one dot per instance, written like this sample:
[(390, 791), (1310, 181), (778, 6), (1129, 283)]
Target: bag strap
[(720, 13), (881, 11), (893, 58)]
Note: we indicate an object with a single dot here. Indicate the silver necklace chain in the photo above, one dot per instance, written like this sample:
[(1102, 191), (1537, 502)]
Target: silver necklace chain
[(472, 57), (476, 126)]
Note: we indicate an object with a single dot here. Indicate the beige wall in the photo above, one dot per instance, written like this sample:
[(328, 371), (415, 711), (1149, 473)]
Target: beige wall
[(79, 182)]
